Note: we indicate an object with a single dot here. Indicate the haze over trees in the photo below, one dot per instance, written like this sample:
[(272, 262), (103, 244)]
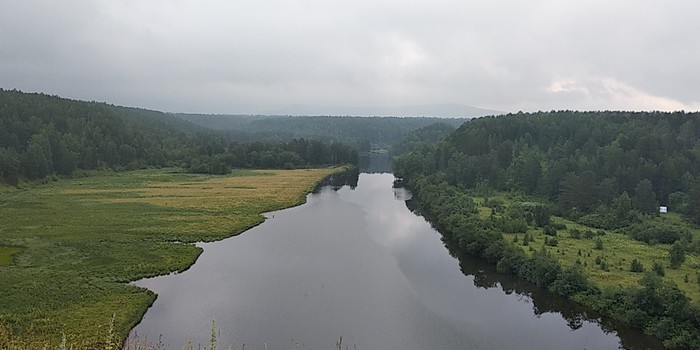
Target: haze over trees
[(366, 132)]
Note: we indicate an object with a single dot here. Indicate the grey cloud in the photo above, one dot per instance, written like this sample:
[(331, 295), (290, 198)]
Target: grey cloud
[(232, 57)]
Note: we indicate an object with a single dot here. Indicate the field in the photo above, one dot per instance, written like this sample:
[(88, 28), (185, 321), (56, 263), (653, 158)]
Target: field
[(617, 252), (68, 247)]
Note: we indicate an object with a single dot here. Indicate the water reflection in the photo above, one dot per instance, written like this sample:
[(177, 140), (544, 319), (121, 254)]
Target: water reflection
[(339, 180), (485, 276), (358, 264)]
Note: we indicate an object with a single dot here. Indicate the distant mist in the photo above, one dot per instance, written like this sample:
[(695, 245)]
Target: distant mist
[(431, 110)]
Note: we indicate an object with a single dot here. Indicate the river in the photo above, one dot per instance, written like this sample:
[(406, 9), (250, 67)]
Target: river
[(356, 263)]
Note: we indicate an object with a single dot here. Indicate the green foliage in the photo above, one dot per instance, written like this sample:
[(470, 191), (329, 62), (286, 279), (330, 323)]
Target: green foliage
[(60, 272), (582, 161), (645, 198), (585, 164), (599, 244), (654, 233), (512, 225), (571, 281), (495, 204), (43, 135), (658, 268), (552, 242), (636, 266), (676, 255), (422, 137)]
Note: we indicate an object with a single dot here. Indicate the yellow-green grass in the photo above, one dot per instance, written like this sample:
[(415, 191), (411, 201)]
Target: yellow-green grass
[(68, 247), (618, 252), (6, 254)]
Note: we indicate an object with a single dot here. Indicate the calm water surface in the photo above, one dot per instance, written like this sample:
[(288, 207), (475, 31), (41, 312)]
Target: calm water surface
[(357, 263)]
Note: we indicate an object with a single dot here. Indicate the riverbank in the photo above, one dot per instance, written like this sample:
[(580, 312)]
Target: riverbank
[(73, 244), (655, 305)]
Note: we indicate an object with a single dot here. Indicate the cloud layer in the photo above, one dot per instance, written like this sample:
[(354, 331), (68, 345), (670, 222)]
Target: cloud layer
[(241, 57)]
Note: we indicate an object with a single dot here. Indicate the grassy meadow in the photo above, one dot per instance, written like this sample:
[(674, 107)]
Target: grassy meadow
[(618, 252), (68, 247)]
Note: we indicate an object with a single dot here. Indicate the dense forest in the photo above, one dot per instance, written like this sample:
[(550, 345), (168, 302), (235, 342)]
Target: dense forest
[(584, 162), (607, 171), (42, 135)]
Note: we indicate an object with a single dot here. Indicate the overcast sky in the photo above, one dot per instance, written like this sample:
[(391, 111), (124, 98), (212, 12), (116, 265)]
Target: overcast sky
[(252, 56)]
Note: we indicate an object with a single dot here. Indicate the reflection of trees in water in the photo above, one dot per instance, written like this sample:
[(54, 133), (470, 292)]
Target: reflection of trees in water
[(337, 181), (373, 162), (543, 301)]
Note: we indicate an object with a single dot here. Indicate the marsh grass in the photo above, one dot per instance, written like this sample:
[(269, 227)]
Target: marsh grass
[(7, 253), (80, 239)]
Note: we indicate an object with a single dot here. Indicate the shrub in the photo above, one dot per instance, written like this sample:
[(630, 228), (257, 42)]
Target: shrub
[(658, 233), (599, 244), (552, 242), (576, 234), (559, 226), (636, 266), (676, 255), (658, 269)]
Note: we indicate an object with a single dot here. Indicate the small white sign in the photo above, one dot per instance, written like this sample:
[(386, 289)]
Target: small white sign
[(663, 209)]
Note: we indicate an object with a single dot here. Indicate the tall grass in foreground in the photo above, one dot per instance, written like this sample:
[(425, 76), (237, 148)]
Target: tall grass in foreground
[(133, 343)]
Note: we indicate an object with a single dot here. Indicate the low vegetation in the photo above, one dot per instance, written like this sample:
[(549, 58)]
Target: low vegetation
[(576, 246), (67, 248)]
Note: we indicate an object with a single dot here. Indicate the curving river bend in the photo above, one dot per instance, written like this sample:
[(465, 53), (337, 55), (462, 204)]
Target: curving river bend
[(358, 263)]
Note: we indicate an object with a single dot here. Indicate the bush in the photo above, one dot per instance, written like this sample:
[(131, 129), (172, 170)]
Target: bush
[(550, 231), (495, 204), (559, 226), (597, 221), (599, 244), (676, 255), (658, 269), (575, 233), (570, 281), (511, 225), (552, 242), (636, 266), (658, 233)]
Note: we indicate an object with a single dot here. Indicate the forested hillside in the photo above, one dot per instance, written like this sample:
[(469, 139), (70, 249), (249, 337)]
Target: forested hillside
[(363, 131), (584, 162), (423, 137), (42, 135), (570, 201)]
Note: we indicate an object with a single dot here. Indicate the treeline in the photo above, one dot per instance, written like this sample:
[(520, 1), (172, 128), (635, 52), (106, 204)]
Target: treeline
[(41, 135), (422, 137), (656, 306), (364, 132), (218, 157), (591, 165), (605, 169)]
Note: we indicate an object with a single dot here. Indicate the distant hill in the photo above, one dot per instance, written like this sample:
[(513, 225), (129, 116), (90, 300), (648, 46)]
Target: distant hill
[(43, 135), (431, 110), (374, 131)]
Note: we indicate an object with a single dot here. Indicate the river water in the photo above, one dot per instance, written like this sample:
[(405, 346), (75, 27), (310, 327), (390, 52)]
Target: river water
[(356, 263)]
